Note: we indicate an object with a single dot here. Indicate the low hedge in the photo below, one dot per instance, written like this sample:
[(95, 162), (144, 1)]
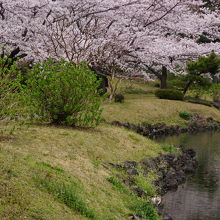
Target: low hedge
[(119, 98), (171, 94)]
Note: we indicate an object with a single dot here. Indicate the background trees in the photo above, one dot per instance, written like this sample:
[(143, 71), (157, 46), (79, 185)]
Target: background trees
[(196, 70), (139, 36), (76, 29)]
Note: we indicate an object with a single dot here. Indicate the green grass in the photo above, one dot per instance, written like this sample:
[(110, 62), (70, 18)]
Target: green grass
[(66, 194), (54, 176), (146, 182), (58, 169), (117, 184), (170, 149), (145, 209), (136, 205), (60, 173), (134, 138), (145, 108), (137, 87), (141, 105), (33, 190)]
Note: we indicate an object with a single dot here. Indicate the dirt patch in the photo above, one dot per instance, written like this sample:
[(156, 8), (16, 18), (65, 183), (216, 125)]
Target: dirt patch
[(5, 138)]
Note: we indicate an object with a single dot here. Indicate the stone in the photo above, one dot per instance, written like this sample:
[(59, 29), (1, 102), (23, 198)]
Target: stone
[(138, 191), (156, 200), (136, 217), (128, 182), (129, 164), (167, 217), (118, 166), (191, 153), (132, 172)]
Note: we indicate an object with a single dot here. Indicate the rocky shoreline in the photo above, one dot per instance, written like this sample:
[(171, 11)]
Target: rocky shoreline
[(195, 124), (171, 171)]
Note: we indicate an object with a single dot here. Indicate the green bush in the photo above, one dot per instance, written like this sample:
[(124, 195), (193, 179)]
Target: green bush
[(215, 92), (63, 93), (9, 90), (185, 115), (119, 98), (24, 67), (169, 94), (176, 82)]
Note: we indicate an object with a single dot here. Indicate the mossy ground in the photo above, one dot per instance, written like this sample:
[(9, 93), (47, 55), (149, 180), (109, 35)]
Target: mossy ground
[(141, 105), (57, 173)]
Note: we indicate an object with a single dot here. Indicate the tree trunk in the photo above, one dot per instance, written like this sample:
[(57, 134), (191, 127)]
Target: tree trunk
[(163, 78), (111, 96), (113, 86), (188, 84)]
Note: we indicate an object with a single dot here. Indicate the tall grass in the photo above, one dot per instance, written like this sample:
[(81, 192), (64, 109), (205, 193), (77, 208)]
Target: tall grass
[(145, 209), (64, 192)]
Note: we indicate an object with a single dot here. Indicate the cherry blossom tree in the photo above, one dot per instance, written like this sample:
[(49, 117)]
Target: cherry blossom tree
[(173, 40), (157, 35)]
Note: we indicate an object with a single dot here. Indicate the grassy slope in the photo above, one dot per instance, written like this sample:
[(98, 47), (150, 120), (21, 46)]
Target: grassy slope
[(57, 173), (80, 154)]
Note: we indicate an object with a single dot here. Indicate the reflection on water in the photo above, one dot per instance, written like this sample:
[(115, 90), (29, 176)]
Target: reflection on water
[(199, 197)]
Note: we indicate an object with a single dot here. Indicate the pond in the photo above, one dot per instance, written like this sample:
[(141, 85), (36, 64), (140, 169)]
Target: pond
[(199, 197)]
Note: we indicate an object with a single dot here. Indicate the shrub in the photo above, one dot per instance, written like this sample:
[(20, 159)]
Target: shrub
[(24, 67), (169, 94), (185, 115), (215, 92), (176, 82), (9, 88), (119, 98), (63, 93)]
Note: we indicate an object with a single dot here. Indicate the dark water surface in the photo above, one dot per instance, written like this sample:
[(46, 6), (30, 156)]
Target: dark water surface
[(199, 197)]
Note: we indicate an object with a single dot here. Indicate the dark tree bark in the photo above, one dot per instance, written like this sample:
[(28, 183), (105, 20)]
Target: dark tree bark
[(163, 78), (12, 57), (103, 79), (188, 84), (2, 11)]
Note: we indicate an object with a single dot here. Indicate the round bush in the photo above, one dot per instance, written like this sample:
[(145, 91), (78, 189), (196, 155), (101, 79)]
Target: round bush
[(119, 98), (64, 93), (185, 115), (169, 94)]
